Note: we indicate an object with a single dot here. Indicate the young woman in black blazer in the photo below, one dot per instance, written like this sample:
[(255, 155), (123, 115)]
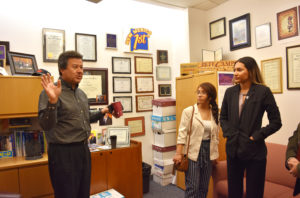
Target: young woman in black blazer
[(241, 117)]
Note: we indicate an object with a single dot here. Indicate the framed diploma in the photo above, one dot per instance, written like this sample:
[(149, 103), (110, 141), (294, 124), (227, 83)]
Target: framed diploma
[(111, 41), (144, 84), (239, 30), (263, 35), (143, 65), (95, 85), (208, 55), (163, 73), (22, 64), (122, 84), (86, 45), (162, 56), (136, 126), (144, 103), (122, 133), (164, 90), (121, 65), (293, 67), (287, 23), (6, 44), (53, 44), (126, 102), (217, 28), (271, 70)]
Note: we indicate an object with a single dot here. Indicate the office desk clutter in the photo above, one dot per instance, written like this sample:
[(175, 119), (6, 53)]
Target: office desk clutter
[(164, 129)]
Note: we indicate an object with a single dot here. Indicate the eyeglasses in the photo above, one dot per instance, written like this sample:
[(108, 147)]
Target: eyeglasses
[(201, 93)]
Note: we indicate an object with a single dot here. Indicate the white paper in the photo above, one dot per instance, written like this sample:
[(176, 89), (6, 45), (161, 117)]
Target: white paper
[(91, 85), (144, 84)]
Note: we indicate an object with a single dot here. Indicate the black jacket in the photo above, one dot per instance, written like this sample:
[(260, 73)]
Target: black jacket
[(238, 130)]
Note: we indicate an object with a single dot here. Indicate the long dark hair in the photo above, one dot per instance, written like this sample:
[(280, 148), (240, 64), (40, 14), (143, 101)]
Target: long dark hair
[(212, 95), (253, 69)]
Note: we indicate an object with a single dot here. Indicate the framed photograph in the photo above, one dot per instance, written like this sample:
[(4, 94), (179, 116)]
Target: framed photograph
[(122, 133), (208, 55), (239, 30), (217, 28), (144, 84), (95, 85), (293, 67), (287, 23), (22, 64), (271, 70), (143, 65), (136, 126), (122, 84), (144, 103), (121, 65), (106, 120), (86, 45), (2, 63), (111, 41), (53, 44), (162, 56), (126, 102), (163, 73), (2, 52), (263, 35), (164, 90), (6, 44)]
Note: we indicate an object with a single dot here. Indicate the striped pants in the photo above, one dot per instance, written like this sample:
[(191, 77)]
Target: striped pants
[(198, 174)]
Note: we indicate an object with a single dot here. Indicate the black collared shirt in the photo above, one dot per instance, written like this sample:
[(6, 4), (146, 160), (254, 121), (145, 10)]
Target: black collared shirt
[(69, 119)]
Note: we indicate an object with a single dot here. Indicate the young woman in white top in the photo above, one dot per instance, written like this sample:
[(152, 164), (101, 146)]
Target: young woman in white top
[(204, 140)]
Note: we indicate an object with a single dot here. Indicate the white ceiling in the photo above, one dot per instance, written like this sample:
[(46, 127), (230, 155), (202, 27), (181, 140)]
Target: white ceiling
[(199, 4)]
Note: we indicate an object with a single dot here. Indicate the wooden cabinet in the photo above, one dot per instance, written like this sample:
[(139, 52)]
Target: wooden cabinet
[(9, 181), (120, 169), (19, 96)]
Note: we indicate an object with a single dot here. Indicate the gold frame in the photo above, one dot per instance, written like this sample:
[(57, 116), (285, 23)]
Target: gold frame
[(266, 64)]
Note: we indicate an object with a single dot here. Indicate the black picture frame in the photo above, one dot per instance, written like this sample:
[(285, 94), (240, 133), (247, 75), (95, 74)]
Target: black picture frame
[(115, 98), (90, 46), (102, 98), (164, 90), (57, 36), (6, 43), (119, 87), (22, 64), (240, 34), (291, 52), (162, 56), (117, 70), (111, 41), (217, 28)]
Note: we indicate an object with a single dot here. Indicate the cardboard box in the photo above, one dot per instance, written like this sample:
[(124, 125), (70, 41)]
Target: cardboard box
[(111, 193), (165, 166), (164, 107), (165, 139), (163, 153), (163, 180), (163, 122)]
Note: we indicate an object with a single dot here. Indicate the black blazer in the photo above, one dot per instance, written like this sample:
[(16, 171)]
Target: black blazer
[(238, 130)]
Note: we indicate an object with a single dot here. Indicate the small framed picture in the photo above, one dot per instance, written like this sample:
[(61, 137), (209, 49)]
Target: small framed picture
[(126, 102), (2, 62), (111, 41), (2, 52), (263, 35), (122, 133), (271, 70), (136, 126), (239, 30), (6, 44), (22, 64), (287, 23), (86, 45), (164, 90), (144, 103), (144, 84), (293, 67), (106, 120), (162, 56), (53, 44), (163, 73), (122, 84), (217, 28), (143, 65), (121, 65)]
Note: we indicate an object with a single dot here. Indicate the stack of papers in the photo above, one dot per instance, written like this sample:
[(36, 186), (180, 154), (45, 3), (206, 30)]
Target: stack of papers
[(111, 193)]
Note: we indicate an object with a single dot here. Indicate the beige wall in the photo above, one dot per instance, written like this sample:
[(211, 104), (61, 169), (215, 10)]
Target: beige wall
[(261, 11)]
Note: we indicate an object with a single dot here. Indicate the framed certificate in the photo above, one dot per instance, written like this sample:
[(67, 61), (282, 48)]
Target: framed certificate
[(22, 64), (164, 90), (143, 65), (122, 133), (136, 126), (263, 35), (208, 55), (144, 103), (121, 65), (122, 84), (126, 102), (95, 85), (86, 45), (162, 56), (163, 73), (217, 28), (293, 67), (144, 84), (271, 70), (240, 35), (53, 44)]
